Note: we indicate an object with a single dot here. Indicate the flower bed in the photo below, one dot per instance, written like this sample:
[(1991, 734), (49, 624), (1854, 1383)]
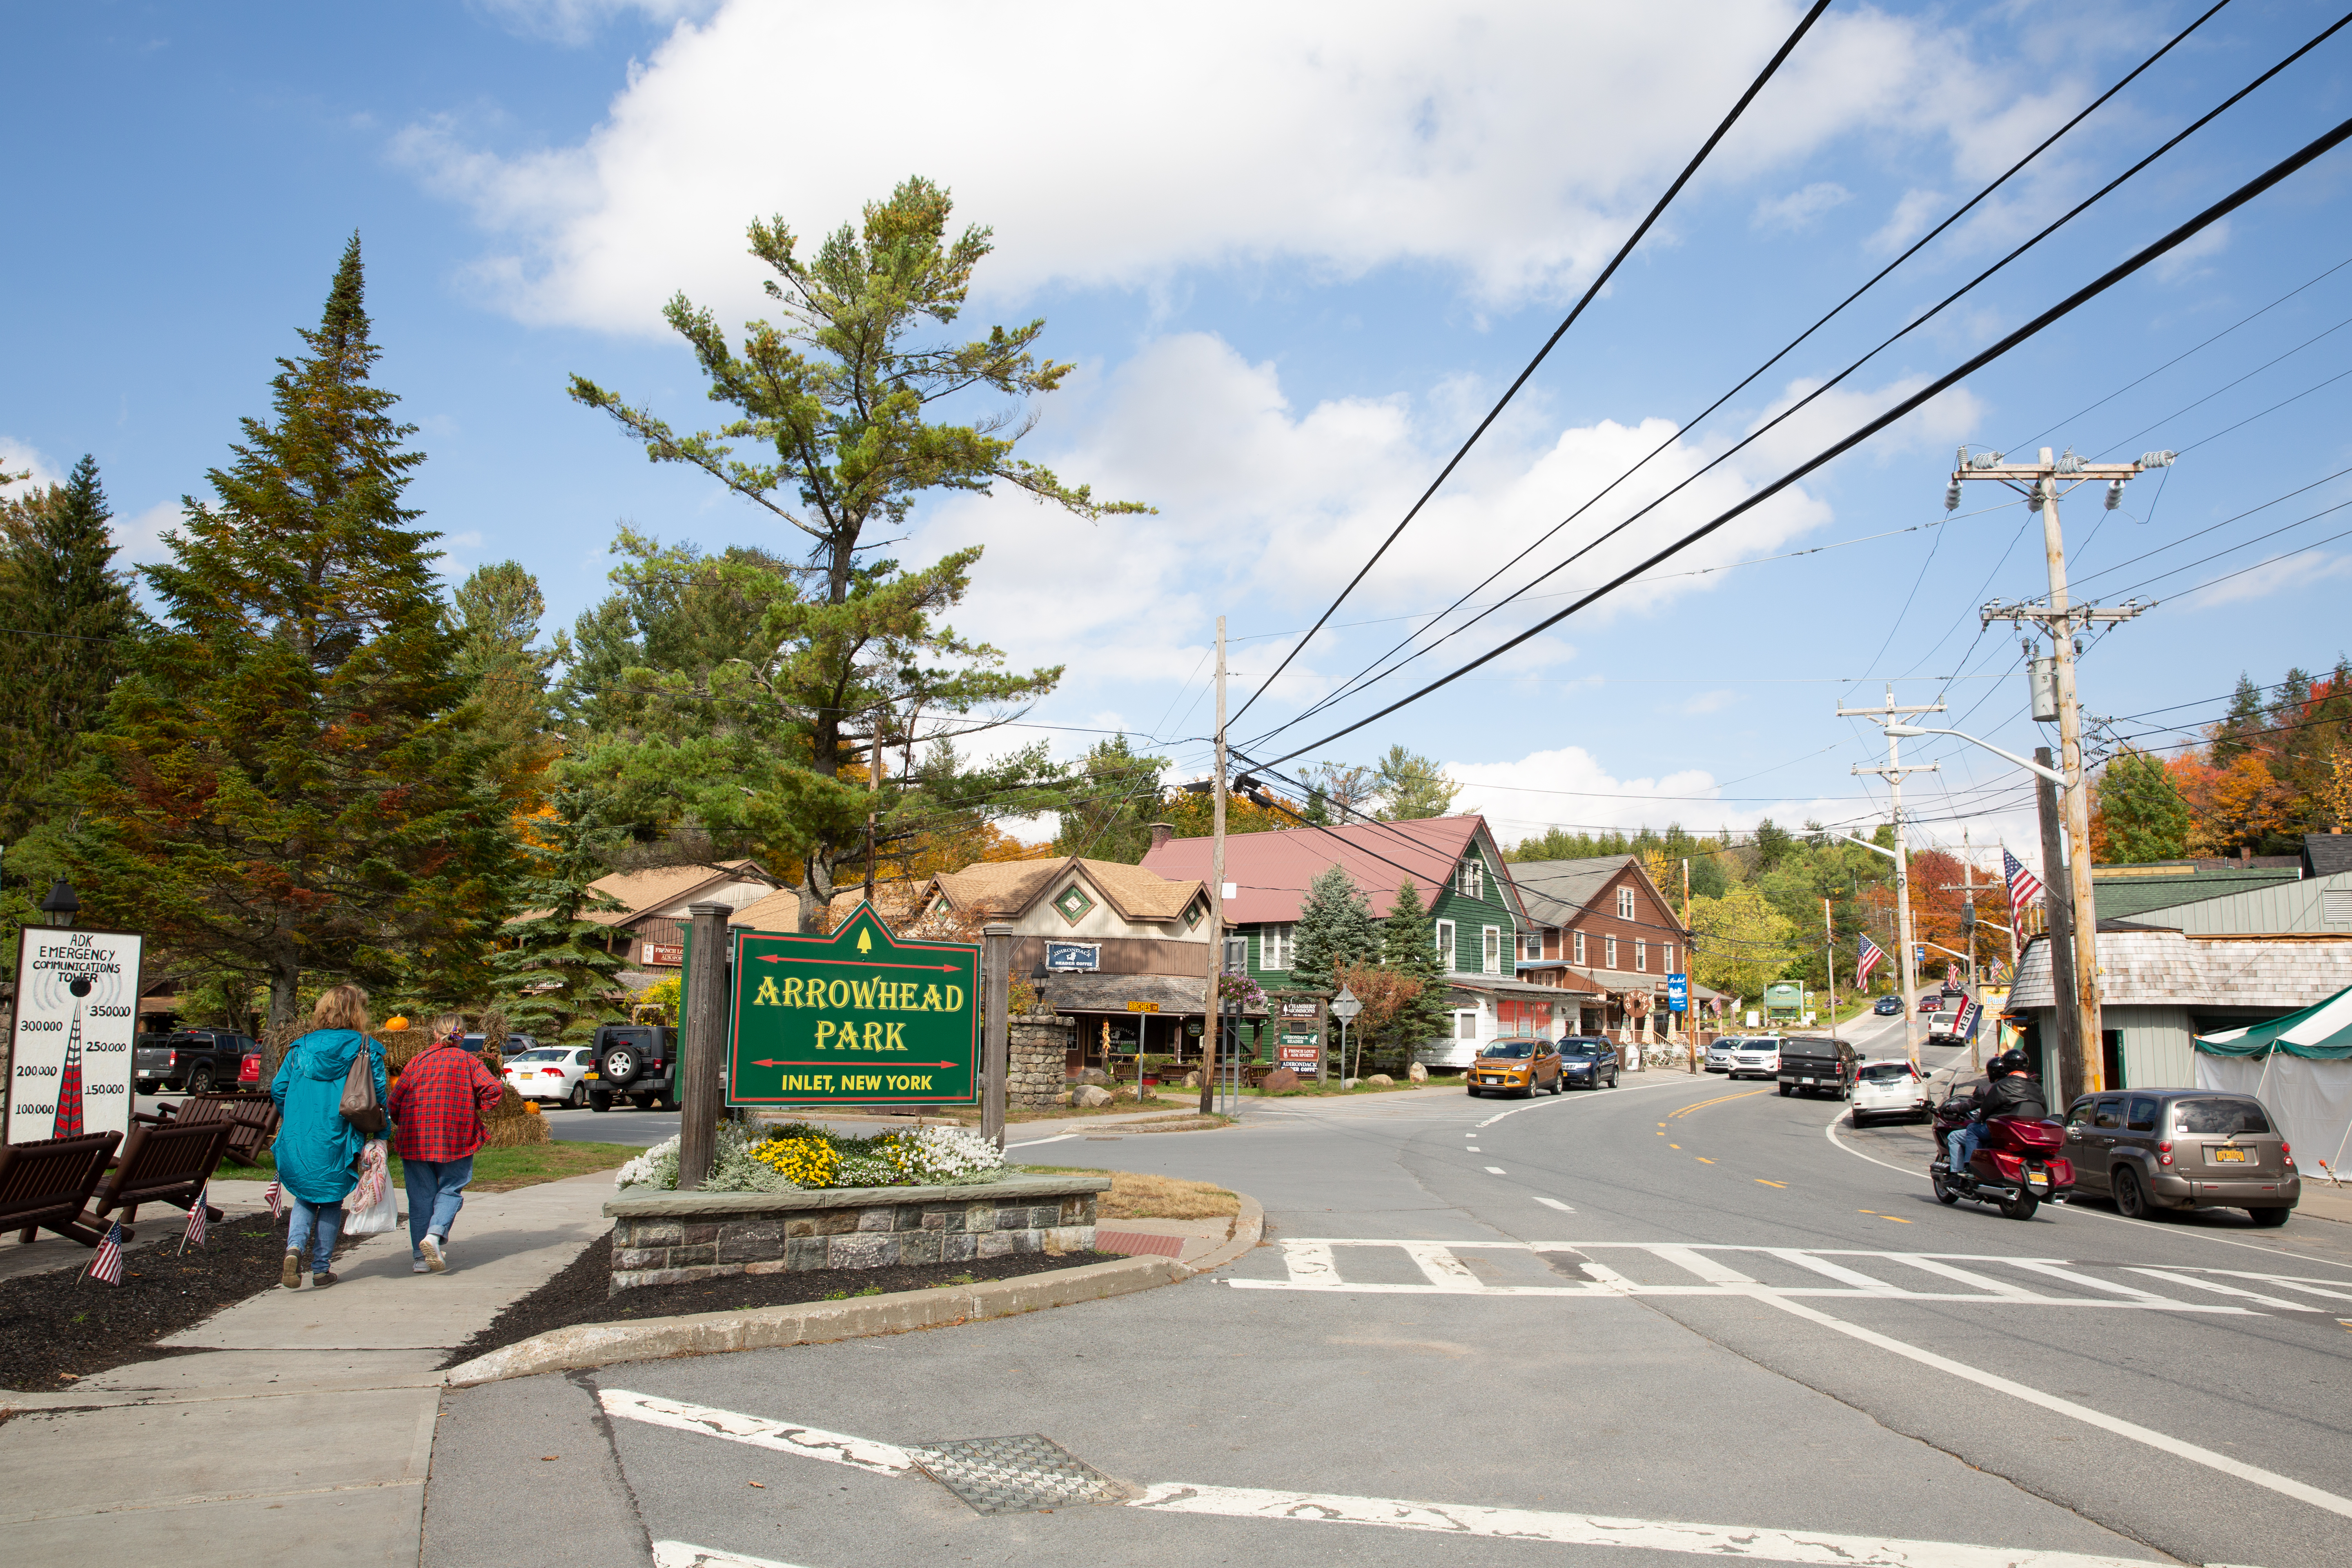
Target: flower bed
[(798, 1157)]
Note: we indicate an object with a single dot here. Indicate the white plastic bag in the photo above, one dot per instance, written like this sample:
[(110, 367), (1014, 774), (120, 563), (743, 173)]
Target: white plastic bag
[(370, 1208)]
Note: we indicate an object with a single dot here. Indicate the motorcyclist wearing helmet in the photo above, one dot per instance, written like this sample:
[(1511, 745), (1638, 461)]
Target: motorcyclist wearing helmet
[(2009, 1091)]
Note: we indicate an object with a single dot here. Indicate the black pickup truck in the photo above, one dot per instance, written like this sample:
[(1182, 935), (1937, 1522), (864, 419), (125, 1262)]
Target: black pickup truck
[(191, 1059), (1815, 1064), (635, 1062)]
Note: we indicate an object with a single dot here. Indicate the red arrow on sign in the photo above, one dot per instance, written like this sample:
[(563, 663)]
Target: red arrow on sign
[(862, 963), (764, 1063)]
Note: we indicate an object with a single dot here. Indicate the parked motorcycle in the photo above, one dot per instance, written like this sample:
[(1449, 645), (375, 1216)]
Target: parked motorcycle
[(2017, 1166)]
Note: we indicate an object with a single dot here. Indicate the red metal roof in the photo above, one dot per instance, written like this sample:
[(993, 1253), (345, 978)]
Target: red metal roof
[(1271, 870)]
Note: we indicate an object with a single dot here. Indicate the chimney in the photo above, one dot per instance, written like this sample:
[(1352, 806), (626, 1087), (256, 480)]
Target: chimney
[(1161, 831), (2245, 854)]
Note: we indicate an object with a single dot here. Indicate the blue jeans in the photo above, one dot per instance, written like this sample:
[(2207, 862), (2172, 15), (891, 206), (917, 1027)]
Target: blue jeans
[(1964, 1144), (311, 1230), (436, 1191)]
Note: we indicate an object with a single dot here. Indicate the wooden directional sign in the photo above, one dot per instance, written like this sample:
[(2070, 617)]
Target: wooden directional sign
[(857, 1017)]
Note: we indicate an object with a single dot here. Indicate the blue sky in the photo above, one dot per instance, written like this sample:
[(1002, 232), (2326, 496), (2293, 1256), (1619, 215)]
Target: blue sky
[(1296, 253)]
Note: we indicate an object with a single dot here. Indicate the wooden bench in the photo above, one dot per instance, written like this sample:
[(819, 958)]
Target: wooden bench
[(44, 1185), (159, 1165), (252, 1118)]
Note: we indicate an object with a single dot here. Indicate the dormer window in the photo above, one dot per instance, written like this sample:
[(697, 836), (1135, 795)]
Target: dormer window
[(1470, 881)]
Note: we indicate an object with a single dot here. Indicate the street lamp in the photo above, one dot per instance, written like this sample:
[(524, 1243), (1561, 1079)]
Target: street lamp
[(1907, 731), (61, 906)]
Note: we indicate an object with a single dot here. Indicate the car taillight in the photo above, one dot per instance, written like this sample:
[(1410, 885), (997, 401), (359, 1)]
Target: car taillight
[(2164, 1154), (551, 1072), (173, 1060), (2286, 1153)]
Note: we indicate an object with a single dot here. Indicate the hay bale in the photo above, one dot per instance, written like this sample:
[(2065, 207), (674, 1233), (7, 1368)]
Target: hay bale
[(515, 1132)]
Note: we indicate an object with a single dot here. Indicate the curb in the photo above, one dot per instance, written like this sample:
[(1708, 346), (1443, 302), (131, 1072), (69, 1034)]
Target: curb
[(821, 1323)]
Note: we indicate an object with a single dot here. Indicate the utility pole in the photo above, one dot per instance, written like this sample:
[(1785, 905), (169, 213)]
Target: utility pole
[(1893, 773), (1690, 1051), (1828, 956), (1213, 1024), (2065, 622), (2058, 903)]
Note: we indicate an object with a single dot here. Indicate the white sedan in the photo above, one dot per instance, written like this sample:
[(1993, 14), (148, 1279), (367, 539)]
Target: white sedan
[(550, 1073), (1892, 1088)]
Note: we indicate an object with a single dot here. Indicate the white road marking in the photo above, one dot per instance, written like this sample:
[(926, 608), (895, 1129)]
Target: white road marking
[(1563, 1099), (1473, 1148), (2221, 1290), (1312, 1263), (781, 1436), (1762, 1545), (1033, 1142), (2287, 1486), (1497, 1171), (1752, 1542), (686, 1554), (1552, 1203)]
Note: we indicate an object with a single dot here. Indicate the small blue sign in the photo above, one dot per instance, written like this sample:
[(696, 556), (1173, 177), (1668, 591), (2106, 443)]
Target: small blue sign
[(1072, 957), (1677, 993)]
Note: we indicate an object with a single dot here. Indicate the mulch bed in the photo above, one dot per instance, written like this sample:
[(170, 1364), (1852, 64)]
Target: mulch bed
[(57, 1326), (581, 1293)]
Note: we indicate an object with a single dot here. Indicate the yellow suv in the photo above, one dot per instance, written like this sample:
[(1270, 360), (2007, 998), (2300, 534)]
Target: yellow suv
[(1514, 1067)]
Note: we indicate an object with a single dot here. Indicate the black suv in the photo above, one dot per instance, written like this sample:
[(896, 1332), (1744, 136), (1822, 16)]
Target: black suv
[(635, 1062), (191, 1059)]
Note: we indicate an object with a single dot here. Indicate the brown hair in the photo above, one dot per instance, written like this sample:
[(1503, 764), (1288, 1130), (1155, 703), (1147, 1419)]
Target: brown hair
[(342, 1007)]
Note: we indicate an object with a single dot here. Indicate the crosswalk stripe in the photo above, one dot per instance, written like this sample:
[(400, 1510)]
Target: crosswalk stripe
[(2221, 1290)]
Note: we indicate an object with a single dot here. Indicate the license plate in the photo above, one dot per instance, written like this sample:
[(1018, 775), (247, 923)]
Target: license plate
[(2230, 1156), (1804, 1080)]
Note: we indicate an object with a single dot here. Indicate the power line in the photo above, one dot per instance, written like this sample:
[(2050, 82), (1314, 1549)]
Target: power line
[(1365, 677), (2285, 167), (1656, 211)]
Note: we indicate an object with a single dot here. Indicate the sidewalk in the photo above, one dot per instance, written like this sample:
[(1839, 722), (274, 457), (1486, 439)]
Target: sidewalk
[(320, 1407)]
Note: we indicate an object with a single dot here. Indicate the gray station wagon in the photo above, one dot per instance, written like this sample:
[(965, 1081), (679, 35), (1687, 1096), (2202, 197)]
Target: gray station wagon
[(2148, 1149)]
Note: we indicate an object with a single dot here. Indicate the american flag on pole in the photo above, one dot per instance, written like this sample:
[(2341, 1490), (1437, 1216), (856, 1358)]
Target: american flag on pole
[(197, 1219), (106, 1263), (276, 1200), (2024, 887), (1871, 956)]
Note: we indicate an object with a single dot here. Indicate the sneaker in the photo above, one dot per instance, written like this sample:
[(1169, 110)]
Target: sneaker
[(289, 1272), (321, 1281), (434, 1260), (419, 1267)]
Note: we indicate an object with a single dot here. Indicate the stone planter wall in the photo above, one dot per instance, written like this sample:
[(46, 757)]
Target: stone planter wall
[(1040, 1049), (665, 1237)]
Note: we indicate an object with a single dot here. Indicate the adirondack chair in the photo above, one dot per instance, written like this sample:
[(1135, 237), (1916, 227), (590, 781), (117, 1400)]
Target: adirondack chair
[(253, 1119), (159, 1165), (44, 1185)]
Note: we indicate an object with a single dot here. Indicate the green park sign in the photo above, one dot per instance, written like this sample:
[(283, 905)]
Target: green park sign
[(856, 1018)]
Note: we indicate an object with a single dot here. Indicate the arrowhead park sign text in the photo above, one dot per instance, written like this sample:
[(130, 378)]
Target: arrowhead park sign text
[(858, 1017)]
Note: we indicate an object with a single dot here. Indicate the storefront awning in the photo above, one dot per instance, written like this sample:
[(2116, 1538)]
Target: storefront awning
[(2321, 1033), (1176, 995)]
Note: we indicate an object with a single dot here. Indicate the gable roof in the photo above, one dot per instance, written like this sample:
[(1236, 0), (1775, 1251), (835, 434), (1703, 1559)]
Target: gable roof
[(641, 893), (1008, 888), (1558, 891), (2327, 854), (1271, 871), (781, 910)]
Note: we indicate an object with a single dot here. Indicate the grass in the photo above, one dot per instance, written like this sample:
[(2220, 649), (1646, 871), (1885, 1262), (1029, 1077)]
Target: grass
[(495, 1170), (1134, 1195)]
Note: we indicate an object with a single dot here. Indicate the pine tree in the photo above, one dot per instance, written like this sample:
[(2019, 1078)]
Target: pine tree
[(1409, 949), (289, 783), (2232, 736), (71, 640), (1411, 787), (2145, 816), (1335, 928), (1117, 799), (557, 975)]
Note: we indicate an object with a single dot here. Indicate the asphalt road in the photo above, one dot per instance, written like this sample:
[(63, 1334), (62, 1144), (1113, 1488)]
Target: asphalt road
[(1715, 1320)]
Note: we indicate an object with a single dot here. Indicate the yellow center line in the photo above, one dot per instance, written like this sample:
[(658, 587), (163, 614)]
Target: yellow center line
[(1771, 1183), (1674, 1145), (1702, 1105), (1704, 1159), (1873, 1214)]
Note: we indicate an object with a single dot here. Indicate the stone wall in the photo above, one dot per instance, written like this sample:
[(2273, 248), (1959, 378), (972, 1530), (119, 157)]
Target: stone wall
[(1040, 1046), (665, 1237)]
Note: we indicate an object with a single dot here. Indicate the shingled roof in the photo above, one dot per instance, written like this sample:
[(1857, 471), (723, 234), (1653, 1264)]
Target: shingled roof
[(1271, 871), (1004, 888), (2164, 969)]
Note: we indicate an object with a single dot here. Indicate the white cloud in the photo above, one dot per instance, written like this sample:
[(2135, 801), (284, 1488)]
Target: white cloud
[(577, 21), (1710, 701), (1799, 209), (1908, 221), (1112, 145), (2294, 571), (2181, 262), (140, 537), (17, 457)]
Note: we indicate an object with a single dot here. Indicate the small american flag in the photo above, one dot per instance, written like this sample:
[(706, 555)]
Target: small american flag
[(197, 1219), (1871, 956), (106, 1263), (2024, 887), (277, 1202)]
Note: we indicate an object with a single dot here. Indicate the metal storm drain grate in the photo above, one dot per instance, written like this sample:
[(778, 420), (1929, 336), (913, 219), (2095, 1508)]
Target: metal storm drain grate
[(1015, 1475)]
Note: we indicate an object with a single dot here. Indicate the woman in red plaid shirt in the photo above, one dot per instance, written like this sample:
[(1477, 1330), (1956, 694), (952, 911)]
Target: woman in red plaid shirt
[(438, 1100)]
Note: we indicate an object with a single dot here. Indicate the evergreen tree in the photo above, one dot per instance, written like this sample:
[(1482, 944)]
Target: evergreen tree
[(1409, 949), (2141, 808), (557, 975), (1411, 787), (1335, 928), (2232, 736), (288, 785), (1115, 801), (495, 614), (69, 643)]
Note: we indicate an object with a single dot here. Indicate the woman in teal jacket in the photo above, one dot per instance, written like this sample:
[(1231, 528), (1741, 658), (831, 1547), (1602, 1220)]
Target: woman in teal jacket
[(317, 1149)]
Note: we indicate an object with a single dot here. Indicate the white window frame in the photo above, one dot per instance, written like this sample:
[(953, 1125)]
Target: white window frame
[(1490, 950), (1641, 956), (1609, 952), (1670, 956), (1443, 936), (1278, 945), (1535, 947), (1624, 903), (1465, 1023), (1579, 948), (1470, 877)]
